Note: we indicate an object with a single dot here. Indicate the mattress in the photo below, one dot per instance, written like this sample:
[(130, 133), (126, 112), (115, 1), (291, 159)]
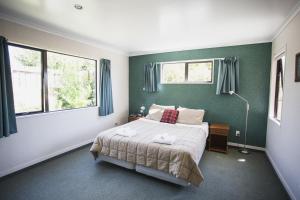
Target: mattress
[(179, 159)]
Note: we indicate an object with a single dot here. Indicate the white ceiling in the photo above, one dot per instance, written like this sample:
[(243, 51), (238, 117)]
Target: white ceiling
[(140, 26)]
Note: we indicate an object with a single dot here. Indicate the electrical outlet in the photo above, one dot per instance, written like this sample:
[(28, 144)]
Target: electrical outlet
[(237, 133)]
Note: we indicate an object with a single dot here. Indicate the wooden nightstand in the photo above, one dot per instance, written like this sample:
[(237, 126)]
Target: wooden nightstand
[(134, 117), (218, 137)]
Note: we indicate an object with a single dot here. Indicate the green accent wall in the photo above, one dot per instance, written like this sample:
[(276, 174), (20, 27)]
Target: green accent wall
[(255, 65)]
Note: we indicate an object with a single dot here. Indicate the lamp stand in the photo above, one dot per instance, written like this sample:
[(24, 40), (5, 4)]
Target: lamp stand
[(244, 150)]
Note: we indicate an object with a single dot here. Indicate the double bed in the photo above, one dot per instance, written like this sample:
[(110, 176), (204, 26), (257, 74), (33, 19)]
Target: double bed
[(176, 163)]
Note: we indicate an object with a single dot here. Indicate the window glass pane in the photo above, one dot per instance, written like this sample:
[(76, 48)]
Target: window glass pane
[(26, 67), (71, 82), (280, 92), (200, 72), (173, 73), (279, 102)]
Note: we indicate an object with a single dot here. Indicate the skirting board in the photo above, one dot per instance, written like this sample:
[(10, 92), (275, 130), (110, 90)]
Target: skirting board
[(247, 146), (43, 158), (284, 183)]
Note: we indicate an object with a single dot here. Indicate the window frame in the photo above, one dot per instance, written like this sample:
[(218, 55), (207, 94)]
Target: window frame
[(96, 82), (186, 63), (281, 53), (278, 76), (44, 78)]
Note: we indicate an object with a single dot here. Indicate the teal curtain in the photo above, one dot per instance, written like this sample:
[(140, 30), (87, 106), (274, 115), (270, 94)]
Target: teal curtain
[(228, 76), (151, 77), (8, 123), (106, 100)]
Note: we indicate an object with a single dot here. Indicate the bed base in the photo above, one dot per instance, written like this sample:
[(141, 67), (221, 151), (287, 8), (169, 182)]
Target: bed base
[(115, 161), (145, 170)]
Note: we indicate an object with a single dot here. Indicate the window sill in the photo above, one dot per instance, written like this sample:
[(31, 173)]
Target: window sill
[(274, 120), (53, 112), (189, 83)]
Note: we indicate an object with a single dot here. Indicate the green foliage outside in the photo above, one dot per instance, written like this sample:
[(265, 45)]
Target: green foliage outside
[(76, 84), (29, 58), (75, 92)]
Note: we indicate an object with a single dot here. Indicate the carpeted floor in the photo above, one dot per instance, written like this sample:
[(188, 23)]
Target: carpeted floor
[(77, 176)]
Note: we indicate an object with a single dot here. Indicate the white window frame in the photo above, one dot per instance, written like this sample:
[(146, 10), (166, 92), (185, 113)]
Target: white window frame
[(276, 57), (186, 62)]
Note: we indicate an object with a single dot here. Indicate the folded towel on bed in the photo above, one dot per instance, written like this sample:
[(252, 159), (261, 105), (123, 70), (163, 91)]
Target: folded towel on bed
[(126, 132), (164, 139)]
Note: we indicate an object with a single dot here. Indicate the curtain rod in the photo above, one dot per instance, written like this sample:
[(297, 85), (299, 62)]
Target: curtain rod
[(177, 61)]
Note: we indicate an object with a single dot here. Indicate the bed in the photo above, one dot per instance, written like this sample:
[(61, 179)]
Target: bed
[(176, 163)]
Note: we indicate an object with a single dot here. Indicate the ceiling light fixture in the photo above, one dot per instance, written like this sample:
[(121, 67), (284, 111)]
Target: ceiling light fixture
[(78, 6)]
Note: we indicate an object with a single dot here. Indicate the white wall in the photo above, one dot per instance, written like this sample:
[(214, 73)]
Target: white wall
[(45, 135), (283, 140)]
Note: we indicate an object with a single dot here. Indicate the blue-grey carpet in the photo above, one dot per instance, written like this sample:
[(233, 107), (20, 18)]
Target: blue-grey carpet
[(77, 176)]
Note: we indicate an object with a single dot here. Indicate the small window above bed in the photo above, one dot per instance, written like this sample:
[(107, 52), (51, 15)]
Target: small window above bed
[(187, 72)]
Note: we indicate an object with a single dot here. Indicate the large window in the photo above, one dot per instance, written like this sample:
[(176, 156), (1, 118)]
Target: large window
[(26, 67), (46, 81), (199, 72), (279, 88)]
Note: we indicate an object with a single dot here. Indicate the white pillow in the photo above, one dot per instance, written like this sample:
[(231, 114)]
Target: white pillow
[(156, 111), (163, 107), (190, 116)]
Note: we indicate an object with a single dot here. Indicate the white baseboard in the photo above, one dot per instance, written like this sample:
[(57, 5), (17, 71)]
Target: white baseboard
[(247, 146), (43, 158), (284, 183)]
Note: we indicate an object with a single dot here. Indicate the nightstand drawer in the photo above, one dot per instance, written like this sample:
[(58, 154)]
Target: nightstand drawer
[(218, 131)]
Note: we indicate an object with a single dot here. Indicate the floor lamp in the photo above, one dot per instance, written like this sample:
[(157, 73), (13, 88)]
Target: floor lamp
[(244, 149)]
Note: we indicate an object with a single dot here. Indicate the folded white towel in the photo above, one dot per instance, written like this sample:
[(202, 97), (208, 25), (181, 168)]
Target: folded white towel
[(164, 139), (126, 132)]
